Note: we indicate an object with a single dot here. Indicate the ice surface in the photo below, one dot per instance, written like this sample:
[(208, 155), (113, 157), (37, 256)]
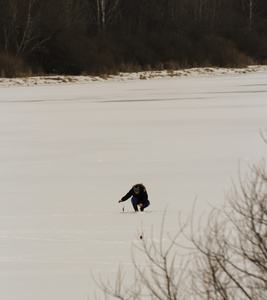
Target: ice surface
[(68, 153)]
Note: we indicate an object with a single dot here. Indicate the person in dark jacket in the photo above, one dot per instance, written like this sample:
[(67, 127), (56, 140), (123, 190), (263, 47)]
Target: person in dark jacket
[(139, 197)]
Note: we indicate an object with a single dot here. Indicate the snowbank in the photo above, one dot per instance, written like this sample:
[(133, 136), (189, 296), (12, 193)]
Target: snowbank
[(61, 79)]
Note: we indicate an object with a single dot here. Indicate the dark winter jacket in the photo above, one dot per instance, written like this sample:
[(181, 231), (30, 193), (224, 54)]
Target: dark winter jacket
[(142, 196)]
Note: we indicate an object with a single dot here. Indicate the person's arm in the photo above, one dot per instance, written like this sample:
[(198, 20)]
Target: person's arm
[(127, 196), (144, 199)]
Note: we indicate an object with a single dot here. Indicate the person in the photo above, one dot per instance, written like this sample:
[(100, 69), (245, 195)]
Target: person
[(139, 197)]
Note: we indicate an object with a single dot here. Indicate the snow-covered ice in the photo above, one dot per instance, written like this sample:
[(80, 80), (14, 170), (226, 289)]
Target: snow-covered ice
[(69, 152)]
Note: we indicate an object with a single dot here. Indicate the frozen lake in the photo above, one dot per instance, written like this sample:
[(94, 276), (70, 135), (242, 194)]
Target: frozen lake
[(68, 153)]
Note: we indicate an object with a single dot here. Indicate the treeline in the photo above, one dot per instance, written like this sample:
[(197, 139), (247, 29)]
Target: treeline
[(108, 36)]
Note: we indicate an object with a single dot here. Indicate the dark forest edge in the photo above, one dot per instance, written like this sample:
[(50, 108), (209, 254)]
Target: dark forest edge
[(96, 37)]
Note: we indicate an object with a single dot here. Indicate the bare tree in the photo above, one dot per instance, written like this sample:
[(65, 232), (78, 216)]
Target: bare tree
[(21, 30), (10, 24), (250, 7), (105, 12), (73, 13), (161, 276), (232, 250)]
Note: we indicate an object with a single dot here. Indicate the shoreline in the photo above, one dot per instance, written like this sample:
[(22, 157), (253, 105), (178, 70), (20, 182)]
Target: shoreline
[(121, 77)]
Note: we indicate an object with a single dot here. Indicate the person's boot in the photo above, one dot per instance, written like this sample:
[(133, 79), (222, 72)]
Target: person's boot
[(135, 207)]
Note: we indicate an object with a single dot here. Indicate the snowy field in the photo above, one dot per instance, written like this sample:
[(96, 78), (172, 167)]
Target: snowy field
[(69, 152)]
